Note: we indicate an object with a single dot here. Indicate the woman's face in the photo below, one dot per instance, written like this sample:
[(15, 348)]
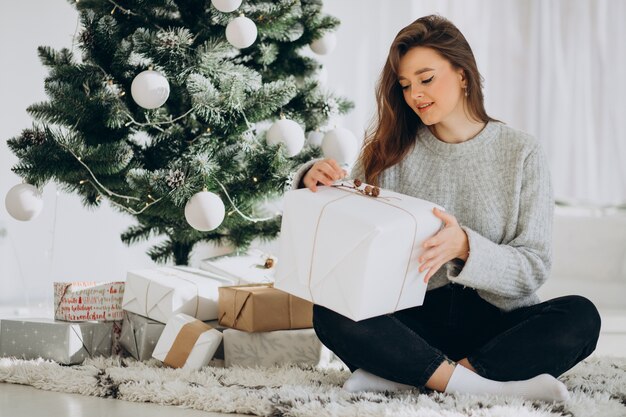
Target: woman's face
[(431, 86)]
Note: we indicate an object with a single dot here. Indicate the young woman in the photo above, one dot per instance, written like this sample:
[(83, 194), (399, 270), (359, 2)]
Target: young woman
[(482, 328)]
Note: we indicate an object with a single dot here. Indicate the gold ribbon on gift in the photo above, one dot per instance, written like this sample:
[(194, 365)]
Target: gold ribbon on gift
[(185, 341), (380, 200)]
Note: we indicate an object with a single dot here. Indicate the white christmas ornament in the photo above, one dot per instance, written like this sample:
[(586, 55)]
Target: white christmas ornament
[(325, 44), (205, 211), (288, 132), (315, 138), (24, 202), (226, 6), (150, 89), (341, 145), (241, 32)]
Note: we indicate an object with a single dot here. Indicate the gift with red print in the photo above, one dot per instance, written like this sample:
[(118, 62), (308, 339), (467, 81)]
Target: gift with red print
[(85, 301), (354, 248)]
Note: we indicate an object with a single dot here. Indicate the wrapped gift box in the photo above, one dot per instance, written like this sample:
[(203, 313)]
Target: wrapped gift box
[(187, 343), (85, 301), (273, 348), (116, 346), (247, 268), (64, 342), (353, 253), (140, 335), (161, 293), (262, 308)]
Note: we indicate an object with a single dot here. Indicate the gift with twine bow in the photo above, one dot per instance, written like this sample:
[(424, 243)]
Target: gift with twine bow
[(262, 308), (354, 248), (187, 343)]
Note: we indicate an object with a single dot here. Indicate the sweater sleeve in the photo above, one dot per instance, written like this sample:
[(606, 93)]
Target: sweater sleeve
[(519, 267), (298, 176)]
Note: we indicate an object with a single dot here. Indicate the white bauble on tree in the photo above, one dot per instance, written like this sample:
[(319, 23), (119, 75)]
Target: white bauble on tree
[(24, 202), (314, 138), (324, 45), (205, 211), (287, 132), (241, 32), (150, 89), (341, 145), (226, 6)]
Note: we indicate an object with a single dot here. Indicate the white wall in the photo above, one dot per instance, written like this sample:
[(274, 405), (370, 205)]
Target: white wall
[(67, 242)]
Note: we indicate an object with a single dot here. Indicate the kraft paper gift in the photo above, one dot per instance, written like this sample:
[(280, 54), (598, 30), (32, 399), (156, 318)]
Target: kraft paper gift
[(85, 301), (63, 342), (353, 253), (273, 348), (261, 308), (187, 343), (161, 293), (247, 268), (140, 335)]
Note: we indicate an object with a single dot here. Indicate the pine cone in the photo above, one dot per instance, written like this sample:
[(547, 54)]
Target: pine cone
[(368, 190), (86, 38), (376, 192), (269, 263), (168, 39), (357, 182), (175, 178), (33, 137)]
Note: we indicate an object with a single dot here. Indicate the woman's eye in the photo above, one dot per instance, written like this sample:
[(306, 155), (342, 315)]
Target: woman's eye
[(428, 80), (404, 87)]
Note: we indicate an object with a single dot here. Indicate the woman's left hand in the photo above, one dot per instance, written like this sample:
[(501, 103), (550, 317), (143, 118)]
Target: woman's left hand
[(449, 243)]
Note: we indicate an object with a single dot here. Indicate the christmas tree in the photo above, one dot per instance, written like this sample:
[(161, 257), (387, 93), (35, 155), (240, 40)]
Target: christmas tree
[(165, 115)]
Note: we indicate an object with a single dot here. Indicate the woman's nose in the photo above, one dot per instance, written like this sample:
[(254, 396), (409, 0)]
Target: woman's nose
[(416, 93)]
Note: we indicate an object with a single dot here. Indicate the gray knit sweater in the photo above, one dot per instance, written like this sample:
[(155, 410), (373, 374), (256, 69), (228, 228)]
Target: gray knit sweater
[(497, 185)]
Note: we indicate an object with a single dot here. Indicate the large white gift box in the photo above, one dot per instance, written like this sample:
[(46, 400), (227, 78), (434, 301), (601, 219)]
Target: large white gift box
[(160, 293), (187, 343), (354, 253)]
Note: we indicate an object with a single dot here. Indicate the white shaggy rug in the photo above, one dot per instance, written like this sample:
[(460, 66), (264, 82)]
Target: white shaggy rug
[(598, 388)]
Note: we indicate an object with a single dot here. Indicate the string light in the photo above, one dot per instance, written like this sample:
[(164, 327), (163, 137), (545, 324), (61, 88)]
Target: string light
[(81, 182), (254, 220), (254, 179)]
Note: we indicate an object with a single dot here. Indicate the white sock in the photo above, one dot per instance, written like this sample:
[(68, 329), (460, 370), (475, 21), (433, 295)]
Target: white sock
[(542, 387), (364, 381)]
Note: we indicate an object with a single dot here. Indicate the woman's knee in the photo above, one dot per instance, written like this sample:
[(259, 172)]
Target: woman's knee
[(326, 322), (585, 318)]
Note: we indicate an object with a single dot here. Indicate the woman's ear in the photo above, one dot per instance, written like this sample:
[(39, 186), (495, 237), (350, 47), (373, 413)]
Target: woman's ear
[(462, 78)]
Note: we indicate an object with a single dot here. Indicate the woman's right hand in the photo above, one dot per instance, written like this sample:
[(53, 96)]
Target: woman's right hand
[(323, 172)]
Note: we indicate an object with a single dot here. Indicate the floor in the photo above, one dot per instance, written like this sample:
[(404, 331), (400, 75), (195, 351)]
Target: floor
[(24, 401)]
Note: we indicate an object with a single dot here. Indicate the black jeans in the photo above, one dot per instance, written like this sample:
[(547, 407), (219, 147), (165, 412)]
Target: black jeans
[(455, 323)]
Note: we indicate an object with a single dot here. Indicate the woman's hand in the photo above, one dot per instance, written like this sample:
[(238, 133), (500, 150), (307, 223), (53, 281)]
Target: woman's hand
[(323, 172), (449, 243)]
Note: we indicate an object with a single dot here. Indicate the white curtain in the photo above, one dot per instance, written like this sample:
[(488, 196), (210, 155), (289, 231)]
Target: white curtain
[(555, 69)]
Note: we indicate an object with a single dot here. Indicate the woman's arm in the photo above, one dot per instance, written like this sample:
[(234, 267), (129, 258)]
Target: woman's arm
[(521, 266)]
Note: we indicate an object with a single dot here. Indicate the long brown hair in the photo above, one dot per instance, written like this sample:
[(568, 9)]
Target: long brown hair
[(393, 131)]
